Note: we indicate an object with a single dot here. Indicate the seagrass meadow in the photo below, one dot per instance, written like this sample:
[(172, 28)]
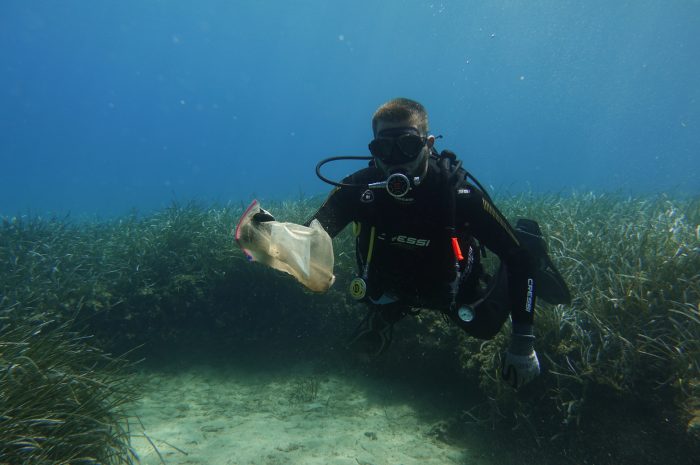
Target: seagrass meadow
[(621, 364)]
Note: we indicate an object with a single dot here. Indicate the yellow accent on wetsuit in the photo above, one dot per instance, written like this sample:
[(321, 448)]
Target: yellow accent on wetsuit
[(499, 219)]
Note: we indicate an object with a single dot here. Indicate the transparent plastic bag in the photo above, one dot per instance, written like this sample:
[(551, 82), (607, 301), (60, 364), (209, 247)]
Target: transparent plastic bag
[(304, 252)]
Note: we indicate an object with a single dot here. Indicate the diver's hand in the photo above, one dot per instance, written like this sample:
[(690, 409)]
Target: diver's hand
[(520, 363), (519, 370), (263, 216)]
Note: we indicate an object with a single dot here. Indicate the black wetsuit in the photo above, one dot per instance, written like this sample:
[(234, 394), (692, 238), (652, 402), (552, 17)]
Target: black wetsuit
[(412, 257)]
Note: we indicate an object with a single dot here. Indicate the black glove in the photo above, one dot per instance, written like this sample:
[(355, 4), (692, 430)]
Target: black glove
[(262, 216)]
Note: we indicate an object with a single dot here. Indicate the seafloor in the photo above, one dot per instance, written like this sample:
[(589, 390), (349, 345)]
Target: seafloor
[(252, 416), (272, 411)]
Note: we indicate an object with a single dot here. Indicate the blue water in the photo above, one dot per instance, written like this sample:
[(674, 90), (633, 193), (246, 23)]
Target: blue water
[(107, 106)]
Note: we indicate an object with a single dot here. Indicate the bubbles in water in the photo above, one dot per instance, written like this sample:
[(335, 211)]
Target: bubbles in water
[(439, 9)]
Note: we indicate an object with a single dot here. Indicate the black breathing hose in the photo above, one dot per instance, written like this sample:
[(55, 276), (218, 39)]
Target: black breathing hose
[(328, 160)]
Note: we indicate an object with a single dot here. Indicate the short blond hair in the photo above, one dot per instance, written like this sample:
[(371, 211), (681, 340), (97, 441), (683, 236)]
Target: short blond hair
[(402, 109)]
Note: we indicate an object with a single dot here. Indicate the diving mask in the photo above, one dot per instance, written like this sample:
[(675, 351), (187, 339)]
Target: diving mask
[(397, 146)]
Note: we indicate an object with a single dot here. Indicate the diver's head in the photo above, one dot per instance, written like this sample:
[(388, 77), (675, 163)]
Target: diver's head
[(401, 142)]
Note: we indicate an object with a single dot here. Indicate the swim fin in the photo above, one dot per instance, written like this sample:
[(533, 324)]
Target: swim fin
[(550, 284)]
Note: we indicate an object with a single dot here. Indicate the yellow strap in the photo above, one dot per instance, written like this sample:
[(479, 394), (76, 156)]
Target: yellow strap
[(356, 228), (371, 246)]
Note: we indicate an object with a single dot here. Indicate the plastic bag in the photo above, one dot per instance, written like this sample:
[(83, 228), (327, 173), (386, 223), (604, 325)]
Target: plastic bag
[(304, 252)]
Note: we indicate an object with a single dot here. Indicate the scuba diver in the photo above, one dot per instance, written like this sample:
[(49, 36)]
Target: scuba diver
[(421, 228)]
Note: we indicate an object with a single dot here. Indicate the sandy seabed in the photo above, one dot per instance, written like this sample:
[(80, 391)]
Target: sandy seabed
[(233, 416)]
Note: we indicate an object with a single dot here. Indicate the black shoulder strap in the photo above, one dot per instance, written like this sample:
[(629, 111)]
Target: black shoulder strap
[(451, 174), (448, 160)]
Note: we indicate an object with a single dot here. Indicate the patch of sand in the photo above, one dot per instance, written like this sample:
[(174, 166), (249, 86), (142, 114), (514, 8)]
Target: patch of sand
[(234, 416)]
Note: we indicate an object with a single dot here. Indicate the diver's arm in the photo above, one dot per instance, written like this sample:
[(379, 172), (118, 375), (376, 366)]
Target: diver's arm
[(489, 226), (335, 213), (520, 363)]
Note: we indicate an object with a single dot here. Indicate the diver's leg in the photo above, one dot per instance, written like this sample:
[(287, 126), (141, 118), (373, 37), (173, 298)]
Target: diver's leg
[(374, 333)]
